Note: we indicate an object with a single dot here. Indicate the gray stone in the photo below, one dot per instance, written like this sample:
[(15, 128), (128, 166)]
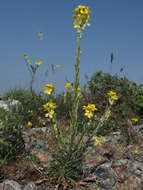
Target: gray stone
[(10, 185), (30, 186), (119, 163), (136, 168), (107, 176), (9, 103)]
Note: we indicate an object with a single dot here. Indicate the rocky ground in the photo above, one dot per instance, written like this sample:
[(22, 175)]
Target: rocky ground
[(111, 166)]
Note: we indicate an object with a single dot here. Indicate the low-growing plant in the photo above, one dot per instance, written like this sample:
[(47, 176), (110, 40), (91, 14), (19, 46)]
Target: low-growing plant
[(11, 141), (29, 107), (4, 145)]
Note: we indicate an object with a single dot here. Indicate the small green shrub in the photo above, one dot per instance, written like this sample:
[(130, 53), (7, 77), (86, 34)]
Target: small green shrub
[(130, 93), (29, 108), (11, 141)]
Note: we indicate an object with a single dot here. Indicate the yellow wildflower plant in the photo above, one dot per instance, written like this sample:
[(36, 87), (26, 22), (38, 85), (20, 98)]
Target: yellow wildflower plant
[(112, 97), (49, 89), (89, 109), (68, 85), (38, 62), (81, 17), (29, 124), (135, 119), (72, 139), (32, 68)]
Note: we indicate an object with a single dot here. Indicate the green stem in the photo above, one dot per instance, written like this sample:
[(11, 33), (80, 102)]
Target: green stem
[(31, 82), (38, 50), (103, 119), (75, 93)]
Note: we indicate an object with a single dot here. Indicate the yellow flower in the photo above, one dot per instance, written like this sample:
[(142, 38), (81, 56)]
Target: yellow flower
[(40, 34), (29, 124), (97, 143), (89, 109), (38, 62), (112, 97), (49, 106), (49, 88), (25, 56), (89, 114), (102, 138), (135, 120), (136, 151), (97, 140), (50, 114), (81, 17), (68, 85)]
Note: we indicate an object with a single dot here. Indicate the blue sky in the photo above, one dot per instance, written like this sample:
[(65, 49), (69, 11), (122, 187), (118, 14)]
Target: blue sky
[(116, 26)]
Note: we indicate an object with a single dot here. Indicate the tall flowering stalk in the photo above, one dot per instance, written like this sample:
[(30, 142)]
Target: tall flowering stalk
[(32, 68), (81, 17), (67, 159)]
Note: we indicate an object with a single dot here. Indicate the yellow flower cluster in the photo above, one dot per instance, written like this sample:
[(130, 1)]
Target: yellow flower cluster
[(38, 62), (49, 106), (112, 97), (89, 109), (49, 89), (81, 17), (98, 140)]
